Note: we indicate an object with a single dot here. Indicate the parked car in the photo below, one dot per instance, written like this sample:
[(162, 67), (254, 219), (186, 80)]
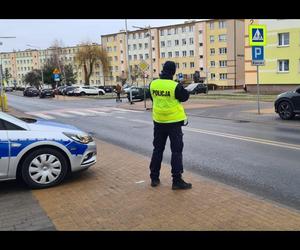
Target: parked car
[(9, 89), (69, 91), (31, 91), (88, 90), (138, 93), (196, 88), (287, 104), (40, 152), (60, 90), (107, 89), (47, 93)]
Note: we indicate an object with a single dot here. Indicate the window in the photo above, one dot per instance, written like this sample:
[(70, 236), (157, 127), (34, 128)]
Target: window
[(223, 76), (162, 32), (222, 50), (176, 53), (212, 64), (212, 51), (211, 39), (116, 58), (183, 41), (176, 42), (141, 56), (191, 52), (211, 25), (191, 29), (200, 44), (212, 76), (145, 34), (115, 48), (221, 24), (162, 44), (177, 65), (5, 125), (200, 31), (176, 31), (222, 38), (133, 36), (201, 56), (169, 44), (223, 63), (183, 29), (146, 45), (283, 65), (191, 40), (146, 56), (184, 53), (140, 35), (134, 46), (135, 57), (169, 54), (283, 39), (169, 32), (184, 65), (163, 55), (121, 51), (192, 65), (140, 45), (116, 68)]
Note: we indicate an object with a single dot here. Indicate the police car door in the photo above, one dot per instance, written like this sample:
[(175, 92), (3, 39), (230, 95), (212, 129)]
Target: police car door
[(4, 151)]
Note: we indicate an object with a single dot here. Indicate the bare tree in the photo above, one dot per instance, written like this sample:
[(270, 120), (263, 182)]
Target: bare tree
[(88, 55)]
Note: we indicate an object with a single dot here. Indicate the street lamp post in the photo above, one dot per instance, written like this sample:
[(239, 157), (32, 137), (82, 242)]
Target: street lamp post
[(127, 53), (150, 55), (1, 75)]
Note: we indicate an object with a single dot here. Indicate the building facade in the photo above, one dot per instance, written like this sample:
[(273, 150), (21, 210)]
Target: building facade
[(19, 63), (281, 71), (225, 52)]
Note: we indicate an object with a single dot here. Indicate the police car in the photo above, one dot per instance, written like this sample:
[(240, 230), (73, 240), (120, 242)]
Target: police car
[(42, 152)]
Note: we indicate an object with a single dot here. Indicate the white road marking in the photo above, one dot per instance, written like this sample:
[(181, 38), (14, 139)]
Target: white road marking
[(120, 117), (98, 112), (41, 115), (78, 113), (236, 137), (59, 114)]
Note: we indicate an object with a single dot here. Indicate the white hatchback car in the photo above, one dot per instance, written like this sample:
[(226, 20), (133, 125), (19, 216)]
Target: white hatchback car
[(88, 90), (42, 152)]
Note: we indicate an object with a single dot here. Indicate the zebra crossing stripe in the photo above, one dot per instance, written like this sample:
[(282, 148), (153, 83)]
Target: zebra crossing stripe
[(98, 112), (43, 116), (60, 114), (78, 113)]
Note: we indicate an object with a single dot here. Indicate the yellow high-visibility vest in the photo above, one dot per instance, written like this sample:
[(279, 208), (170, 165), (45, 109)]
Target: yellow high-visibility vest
[(166, 108)]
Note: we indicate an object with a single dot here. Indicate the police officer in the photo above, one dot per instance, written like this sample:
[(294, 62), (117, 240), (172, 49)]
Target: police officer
[(168, 116)]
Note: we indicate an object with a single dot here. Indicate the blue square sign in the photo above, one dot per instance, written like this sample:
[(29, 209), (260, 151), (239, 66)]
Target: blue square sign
[(258, 53)]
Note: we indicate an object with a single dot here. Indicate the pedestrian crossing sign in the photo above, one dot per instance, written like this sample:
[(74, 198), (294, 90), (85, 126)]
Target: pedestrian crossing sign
[(257, 35)]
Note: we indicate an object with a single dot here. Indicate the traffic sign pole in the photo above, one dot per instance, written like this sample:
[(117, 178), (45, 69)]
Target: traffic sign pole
[(257, 84)]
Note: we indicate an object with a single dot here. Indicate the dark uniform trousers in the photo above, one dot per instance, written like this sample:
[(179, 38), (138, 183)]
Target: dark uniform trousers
[(161, 133)]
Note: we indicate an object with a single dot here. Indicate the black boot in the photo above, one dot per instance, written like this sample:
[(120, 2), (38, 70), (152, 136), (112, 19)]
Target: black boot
[(155, 182), (180, 184)]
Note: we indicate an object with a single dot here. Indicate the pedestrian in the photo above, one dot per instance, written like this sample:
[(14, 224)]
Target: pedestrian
[(168, 117), (118, 91)]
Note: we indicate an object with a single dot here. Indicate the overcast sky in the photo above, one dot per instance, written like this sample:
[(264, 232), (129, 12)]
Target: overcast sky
[(42, 32)]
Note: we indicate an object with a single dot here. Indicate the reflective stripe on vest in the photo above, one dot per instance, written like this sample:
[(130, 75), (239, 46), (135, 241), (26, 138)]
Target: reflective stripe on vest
[(166, 108)]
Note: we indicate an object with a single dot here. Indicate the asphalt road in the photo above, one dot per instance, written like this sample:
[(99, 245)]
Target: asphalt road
[(259, 158)]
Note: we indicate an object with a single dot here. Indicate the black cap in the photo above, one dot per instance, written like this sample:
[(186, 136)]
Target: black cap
[(169, 68)]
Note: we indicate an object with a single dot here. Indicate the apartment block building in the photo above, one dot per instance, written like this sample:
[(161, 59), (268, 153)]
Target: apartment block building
[(281, 71), (225, 52), (19, 63), (213, 47)]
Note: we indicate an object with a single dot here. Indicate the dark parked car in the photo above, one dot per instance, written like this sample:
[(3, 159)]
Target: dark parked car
[(69, 90), (196, 88), (287, 104), (9, 89), (60, 90), (107, 89), (138, 93), (47, 93), (31, 91)]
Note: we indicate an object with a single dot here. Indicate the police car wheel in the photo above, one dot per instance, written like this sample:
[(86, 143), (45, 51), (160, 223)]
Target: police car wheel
[(44, 168)]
